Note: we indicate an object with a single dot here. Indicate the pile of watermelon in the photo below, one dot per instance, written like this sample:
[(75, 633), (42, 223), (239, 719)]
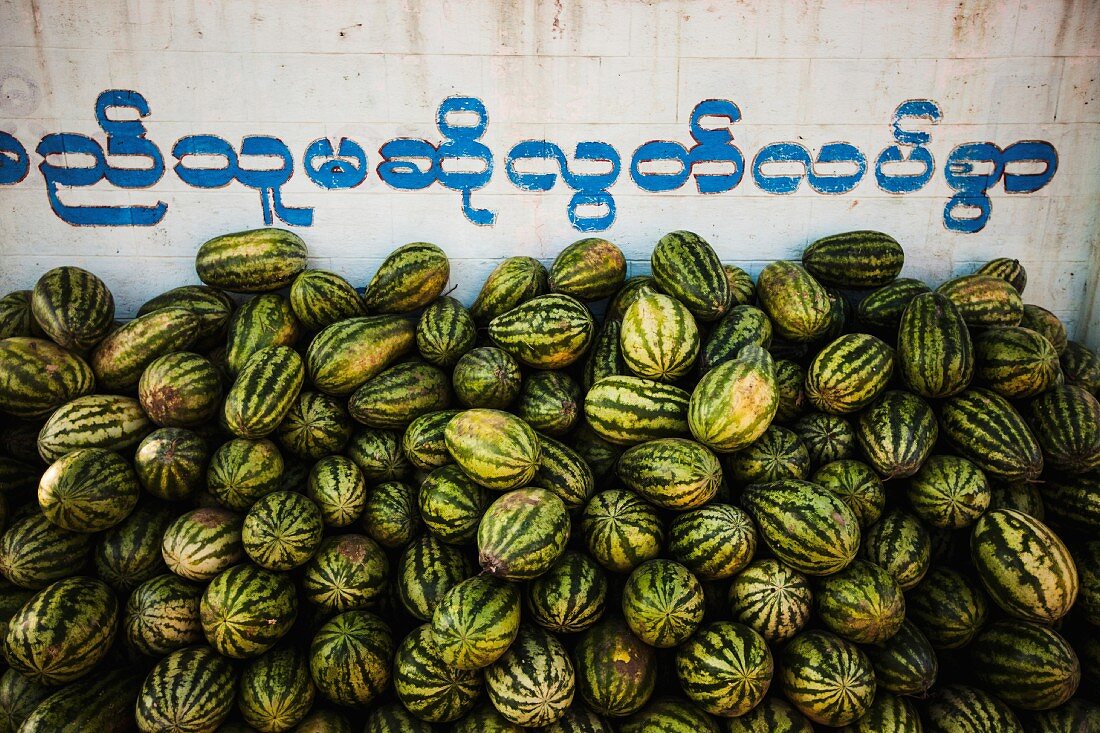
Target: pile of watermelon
[(682, 502)]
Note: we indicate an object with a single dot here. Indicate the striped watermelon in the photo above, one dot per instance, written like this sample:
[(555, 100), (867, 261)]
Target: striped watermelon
[(935, 354), (1066, 422), (428, 686), (741, 326), (514, 281), (1075, 715), (570, 596), (475, 622), (350, 656), (564, 473), (777, 454), (605, 355), (266, 320), (658, 338), (900, 545), (210, 306), (426, 570), (16, 316), (316, 425), (202, 543), (662, 603), (19, 697), (883, 308), (673, 473), (1048, 325), (88, 490), (282, 530), (827, 437), (191, 689), (849, 373), (589, 269), (533, 683), (857, 485), (621, 530), (522, 533), (550, 402), (887, 714), (987, 429), (1016, 362), (1073, 503), (337, 487), (276, 691), (395, 718), (906, 663), (162, 615), (616, 672), (487, 377), (797, 304), (109, 422), (1081, 366), (1028, 665), (806, 526), (495, 449), (323, 720), (391, 517), (264, 391), (412, 276), (546, 332), (861, 603), (35, 552), (121, 357), (320, 298), (451, 505), (348, 571), (246, 609), (725, 668), (73, 307), (399, 395), (423, 442), (828, 679), (628, 410), (37, 377), (949, 492), (686, 267), (180, 390), (984, 300), (733, 404), (960, 709), (1022, 496), (897, 433), (343, 356), (63, 631), (668, 715), (444, 332), (242, 471), (790, 380), (633, 288), (1025, 566), (772, 715), (1007, 269), (714, 542), (859, 259), (129, 553), (600, 454), (948, 608), (102, 703), (742, 288), (253, 261)]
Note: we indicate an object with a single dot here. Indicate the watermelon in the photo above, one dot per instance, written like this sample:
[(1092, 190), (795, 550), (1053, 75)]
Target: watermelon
[(571, 596), (616, 672), (589, 269), (546, 332), (797, 304), (95, 421), (350, 656), (412, 276), (1022, 496), (627, 410), (316, 425), (658, 338), (102, 703), (828, 679), (395, 718), (673, 473), (337, 487), (343, 356), (1048, 325), (1075, 715), (849, 373), (328, 721), (399, 395), (320, 298), (935, 354), (253, 261), (37, 377), (210, 306), (427, 569), (564, 472), (1073, 503), (391, 517), (621, 530), (276, 690), (861, 603), (1081, 366), (19, 697), (264, 391), (662, 603), (714, 542), (241, 471), (35, 552), (633, 288), (741, 326), (984, 300), (549, 402), (806, 526), (533, 683), (202, 543), (771, 598), (62, 631), (423, 442), (162, 615), (348, 571), (742, 288), (1016, 362), (246, 609), (772, 715), (1028, 665), (949, 492), (985, 428), (451, 505), (948, 608), (857, 485), (900, 545), (777, 454), (265, 321), (1007, 269), (883, 307), (790, 380), (600, 454), (16, 316), (827, 437), (121, 357), (282, 530), (429, 687), (522, 533), (180, 390), (1087, 558), (475, 622), (1066, 422), (88, 490), (686, 267), (859, 259), (897, 433), (961, 709), (733, 404), (487, 377), (725, 668), (514, 281), (887, 714), (669, 715), (444, 332), (129, 553), (494, 448), (906, 663), (605, 355), (73, 307)]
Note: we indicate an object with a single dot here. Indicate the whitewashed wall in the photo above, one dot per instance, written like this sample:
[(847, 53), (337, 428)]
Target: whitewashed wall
[(621, 71)]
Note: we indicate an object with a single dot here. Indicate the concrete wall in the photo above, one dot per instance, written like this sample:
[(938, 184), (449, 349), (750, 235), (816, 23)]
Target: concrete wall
[(622, 72)]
